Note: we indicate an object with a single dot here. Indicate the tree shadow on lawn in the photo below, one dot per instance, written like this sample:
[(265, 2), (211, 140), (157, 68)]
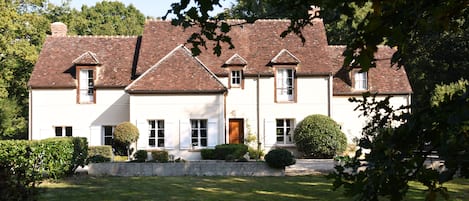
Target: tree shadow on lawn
[(212, 188)]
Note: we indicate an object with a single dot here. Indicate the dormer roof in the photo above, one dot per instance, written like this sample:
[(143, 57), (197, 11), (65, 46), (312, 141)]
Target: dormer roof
[(285, 57), (236, 60), (87, 58)]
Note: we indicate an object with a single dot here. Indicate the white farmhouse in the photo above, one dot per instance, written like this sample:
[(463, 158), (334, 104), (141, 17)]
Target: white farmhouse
[(86, 85)]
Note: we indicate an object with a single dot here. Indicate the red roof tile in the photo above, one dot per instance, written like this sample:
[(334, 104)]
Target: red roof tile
[(55, 67), (383, 79), (258, 43), (177, 72)]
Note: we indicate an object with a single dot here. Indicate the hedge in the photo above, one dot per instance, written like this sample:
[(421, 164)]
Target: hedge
[(224, 152), (160, 156), (24, 164), (99, 154)]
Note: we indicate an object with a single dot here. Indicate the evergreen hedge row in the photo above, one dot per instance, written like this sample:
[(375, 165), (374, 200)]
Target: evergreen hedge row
[(24, 164)]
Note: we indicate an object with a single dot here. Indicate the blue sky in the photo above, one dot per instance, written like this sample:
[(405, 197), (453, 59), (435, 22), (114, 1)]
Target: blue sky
[(154, 8)]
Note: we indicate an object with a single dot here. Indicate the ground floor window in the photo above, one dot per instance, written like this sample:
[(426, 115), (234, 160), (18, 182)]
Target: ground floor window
[(199, 132), (284, 131), (156, 133), (63, 131), (108, 134)]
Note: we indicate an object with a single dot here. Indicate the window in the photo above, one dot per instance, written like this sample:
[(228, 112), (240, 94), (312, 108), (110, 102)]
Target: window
[(236, 77), (156, 133), (86, 86), (108, 134), (199, 132), (285, 85), (284, 131), (361, 82), (61, 130)]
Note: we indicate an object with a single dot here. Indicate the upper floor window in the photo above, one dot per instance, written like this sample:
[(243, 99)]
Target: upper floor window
[(108, 134), (156, 133), (361, 80), (236, 78), (199, 132), (284, 131), (63, 131), (86, 86), (285, 86)]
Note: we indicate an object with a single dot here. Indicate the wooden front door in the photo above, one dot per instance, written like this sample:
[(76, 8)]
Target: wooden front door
[(236, 131)]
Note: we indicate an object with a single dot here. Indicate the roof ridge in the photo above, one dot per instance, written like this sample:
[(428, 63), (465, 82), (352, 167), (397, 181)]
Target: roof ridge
[(95, 36)]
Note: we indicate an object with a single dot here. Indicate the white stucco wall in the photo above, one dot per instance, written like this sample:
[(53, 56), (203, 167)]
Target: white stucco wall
[(352, 121), (177, 111), (58, 107), (312, 98)]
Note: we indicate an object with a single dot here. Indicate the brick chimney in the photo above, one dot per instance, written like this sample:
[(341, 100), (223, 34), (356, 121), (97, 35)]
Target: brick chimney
[(58, 29)]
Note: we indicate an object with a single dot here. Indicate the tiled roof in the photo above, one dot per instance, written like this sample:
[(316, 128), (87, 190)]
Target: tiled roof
[(55, 67), (165, 66), (258, 43), (177, 72), (384, 78)]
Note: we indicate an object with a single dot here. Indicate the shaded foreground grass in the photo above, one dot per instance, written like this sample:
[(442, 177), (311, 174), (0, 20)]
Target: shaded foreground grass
[(212, 188)]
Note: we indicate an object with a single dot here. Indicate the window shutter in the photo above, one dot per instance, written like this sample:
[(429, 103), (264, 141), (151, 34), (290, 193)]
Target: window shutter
[(184, 135), (212, 133), (270, 136), (142, 142), (96, 136), (170, 134)]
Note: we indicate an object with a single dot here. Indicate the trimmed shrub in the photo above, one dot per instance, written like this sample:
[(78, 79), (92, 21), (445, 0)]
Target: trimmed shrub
[(223, 150), (279, 158), (126, 133), (24, 164), (160, 156), (99, 154), (141, 156), (208, 154), (319, 136)]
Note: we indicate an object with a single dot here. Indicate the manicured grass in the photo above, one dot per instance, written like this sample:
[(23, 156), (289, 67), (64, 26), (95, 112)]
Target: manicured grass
[(212, 188)]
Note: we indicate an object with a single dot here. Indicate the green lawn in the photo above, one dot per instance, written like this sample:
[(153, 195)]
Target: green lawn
[(211, 188)]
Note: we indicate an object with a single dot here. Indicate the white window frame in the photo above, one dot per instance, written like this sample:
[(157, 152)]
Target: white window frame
[(86, 86), (199, 132), (63, 131), (285, 84), (236, 77), (284, 131), (361, 80), (108, 136), (156, 133)]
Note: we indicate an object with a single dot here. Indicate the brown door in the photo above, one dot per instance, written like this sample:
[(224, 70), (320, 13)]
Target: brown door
[(236, 131)]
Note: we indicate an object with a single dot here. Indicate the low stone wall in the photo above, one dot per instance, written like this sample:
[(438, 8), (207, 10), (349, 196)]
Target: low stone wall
[(190, 168)]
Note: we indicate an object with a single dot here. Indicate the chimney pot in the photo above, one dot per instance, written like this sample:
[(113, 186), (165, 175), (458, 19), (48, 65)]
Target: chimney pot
[(58, 29)]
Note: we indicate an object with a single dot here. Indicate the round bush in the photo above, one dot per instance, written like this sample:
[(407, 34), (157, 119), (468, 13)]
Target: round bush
[(141, 156), (279, 158), (319, 136), (126, 133)]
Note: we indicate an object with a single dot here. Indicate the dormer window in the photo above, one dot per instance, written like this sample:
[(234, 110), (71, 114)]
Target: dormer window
[(86, 86), (236, 78), (361, 80)]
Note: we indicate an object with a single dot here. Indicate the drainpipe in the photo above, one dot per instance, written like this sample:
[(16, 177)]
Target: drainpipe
[(30, 133), (224, 117), (329, 97), (258, 116)]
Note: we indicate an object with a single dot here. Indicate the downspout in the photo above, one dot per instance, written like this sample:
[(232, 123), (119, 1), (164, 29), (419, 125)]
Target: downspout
[(258, 116), (224, 116), (30, 132), (329, 97)]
